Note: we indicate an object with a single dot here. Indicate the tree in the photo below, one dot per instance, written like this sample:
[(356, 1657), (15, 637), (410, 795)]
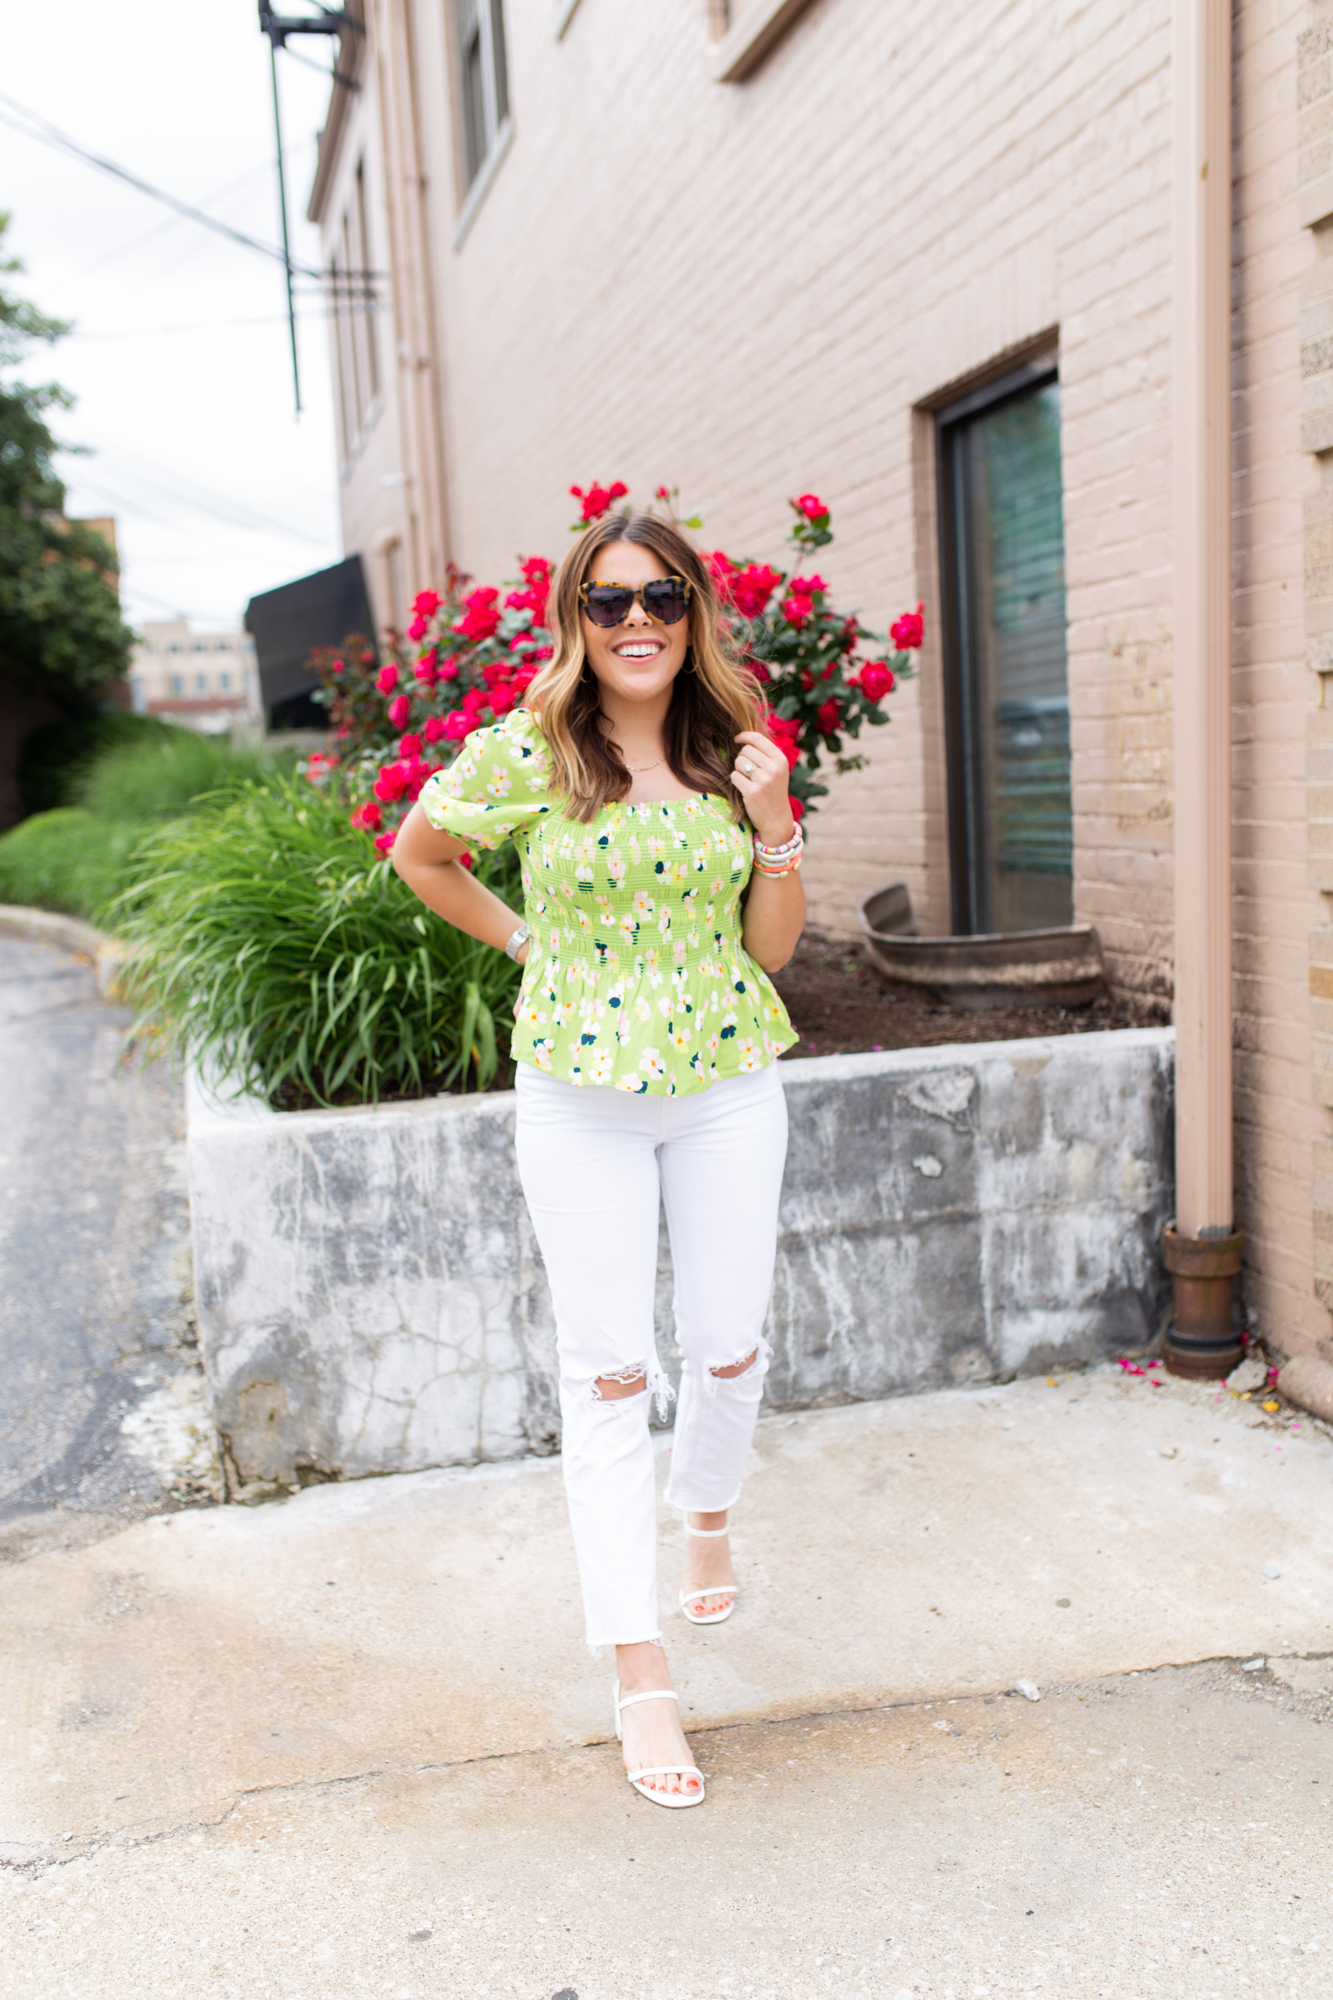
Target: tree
[(60, 623)]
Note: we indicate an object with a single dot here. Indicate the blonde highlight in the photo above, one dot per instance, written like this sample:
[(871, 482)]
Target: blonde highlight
[(715, 695)]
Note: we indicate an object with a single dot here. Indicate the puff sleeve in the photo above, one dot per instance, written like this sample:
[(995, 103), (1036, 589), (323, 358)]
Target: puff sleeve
[(496, 786)]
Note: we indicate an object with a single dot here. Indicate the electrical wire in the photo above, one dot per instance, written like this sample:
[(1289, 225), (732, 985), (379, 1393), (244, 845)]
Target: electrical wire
[(215, 507), (51, 135), (170, 221)]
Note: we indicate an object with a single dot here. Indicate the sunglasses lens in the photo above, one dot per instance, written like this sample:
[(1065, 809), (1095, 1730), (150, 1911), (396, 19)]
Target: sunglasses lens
[(665, 600), (606, 604)]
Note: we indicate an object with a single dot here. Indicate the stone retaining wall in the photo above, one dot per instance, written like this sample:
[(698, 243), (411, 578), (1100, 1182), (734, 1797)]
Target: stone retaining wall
[(371, 1299)]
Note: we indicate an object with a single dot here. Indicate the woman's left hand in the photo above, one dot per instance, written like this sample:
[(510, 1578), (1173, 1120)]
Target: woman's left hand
[(760, 776)]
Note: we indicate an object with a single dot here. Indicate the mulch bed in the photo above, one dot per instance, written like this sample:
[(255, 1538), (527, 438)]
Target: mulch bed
[(840, 1006)]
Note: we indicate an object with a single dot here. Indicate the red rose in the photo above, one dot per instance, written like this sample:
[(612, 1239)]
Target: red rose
[(386, 680), (399, 710), (502, 698), (797, 610), (908, 631), (876, 680), (383, 842), (426, 603), (465, 860), (458, 724), (481, 615), (409, 746), (417, 629), (474, 701), (796, 805), (812, 507), (752, 588), (447, 670), (367, 817), (338, 667), (434, 729), (760, 671), (807, 586), (425, 668), (829, 715), (390, 784), (597, 499)]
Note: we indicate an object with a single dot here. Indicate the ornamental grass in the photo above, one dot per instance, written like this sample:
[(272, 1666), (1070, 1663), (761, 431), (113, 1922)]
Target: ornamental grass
[(286, 960)]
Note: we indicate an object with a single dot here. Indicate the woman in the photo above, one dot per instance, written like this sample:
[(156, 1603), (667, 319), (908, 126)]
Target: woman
[(659, 853)]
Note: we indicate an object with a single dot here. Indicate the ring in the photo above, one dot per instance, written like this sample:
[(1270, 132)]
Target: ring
[(748, 770)]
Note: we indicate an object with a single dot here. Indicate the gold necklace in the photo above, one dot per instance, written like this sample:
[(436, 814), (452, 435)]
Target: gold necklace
[(639, 769)]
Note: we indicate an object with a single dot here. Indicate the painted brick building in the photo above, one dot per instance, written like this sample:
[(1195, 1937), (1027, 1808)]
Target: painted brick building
[(916, 257)]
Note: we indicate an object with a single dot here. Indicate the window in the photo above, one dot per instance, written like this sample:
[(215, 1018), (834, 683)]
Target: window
[(177, 684), (201, 683), (224, 682), (485, 80), (355, 351), (1007, 687)]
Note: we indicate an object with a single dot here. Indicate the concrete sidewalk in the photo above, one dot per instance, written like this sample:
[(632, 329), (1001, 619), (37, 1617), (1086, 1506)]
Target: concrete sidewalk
[(352, 1743)]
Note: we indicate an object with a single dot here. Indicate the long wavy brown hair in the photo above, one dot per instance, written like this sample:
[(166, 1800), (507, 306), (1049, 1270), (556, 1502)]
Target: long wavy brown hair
[(714, 698)]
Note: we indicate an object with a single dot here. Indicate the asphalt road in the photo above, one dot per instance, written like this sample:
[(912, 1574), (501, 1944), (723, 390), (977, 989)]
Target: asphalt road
[(94, 1258)]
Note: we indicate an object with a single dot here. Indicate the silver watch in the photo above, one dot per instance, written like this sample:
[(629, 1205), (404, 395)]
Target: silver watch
[(517, 942)]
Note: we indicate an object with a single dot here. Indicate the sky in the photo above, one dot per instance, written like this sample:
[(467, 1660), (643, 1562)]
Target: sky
[(179, 358)]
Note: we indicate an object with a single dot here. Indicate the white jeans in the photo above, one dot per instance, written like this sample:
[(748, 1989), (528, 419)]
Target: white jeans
[(595, 1163)]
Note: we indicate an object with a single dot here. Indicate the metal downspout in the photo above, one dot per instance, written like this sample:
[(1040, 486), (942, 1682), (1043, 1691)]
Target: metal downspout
[(1203, 1250)]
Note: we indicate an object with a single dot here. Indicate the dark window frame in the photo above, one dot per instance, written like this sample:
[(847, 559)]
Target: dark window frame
[(964, 832)]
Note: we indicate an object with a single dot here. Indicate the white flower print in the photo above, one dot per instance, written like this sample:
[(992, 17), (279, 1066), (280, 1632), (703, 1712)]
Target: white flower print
[(615, 867), (642, 1009), (712, 1045), (643, 904), (665, 1005), (534, 1016), (749, 1055), (652, 1064), (680, 1034), (603, 1067), (541, 1054), (632, 1083), (501, 784)]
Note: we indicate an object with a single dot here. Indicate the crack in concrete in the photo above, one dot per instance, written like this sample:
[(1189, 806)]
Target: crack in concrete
[(123, 1841)]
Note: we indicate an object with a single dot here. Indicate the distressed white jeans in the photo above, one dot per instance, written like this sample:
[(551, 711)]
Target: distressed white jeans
[(595, 1163)]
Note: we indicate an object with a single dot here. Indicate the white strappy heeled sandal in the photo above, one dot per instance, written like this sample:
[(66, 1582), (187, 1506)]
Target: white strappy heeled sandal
[(681, 1771), (687, 1597)]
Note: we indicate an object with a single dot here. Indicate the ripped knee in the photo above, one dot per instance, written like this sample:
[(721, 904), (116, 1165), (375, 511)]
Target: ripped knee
[(735, 1368), (625, 1382)]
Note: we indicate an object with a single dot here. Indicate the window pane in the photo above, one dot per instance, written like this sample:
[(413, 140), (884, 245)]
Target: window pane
[(1012, 683), (499, 62), (474, 91)]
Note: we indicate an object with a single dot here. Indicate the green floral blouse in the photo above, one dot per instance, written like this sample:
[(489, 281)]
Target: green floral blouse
[(636, 976)]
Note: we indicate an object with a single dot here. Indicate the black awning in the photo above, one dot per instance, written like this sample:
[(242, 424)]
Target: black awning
[(288, 623)]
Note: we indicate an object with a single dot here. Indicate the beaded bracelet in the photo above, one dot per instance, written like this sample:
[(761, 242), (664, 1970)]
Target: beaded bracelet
[(780, 852), (780, 860)]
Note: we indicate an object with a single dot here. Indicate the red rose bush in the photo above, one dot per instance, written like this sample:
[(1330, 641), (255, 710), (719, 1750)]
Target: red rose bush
[(471, 652)]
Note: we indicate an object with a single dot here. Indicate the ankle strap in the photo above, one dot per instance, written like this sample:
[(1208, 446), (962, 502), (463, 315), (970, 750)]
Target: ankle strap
[(653, 1694), (705, 1534)]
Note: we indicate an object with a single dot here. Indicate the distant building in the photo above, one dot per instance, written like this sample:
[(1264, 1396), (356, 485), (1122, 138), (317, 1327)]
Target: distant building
[(206, 679)]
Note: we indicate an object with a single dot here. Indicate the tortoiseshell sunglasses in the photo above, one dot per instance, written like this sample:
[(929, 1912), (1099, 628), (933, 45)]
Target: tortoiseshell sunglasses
[(666, 600)]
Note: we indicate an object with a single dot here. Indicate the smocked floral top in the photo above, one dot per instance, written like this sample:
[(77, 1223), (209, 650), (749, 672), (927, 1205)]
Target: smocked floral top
[(636, 976)]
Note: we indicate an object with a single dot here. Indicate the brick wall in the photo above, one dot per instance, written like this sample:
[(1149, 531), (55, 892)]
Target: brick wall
[(750, 290)]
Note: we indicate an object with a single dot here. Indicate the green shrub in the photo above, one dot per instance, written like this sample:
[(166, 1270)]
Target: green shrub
[(272, 946), (160, 777), (67, 860), (54, 757), (76, 856)]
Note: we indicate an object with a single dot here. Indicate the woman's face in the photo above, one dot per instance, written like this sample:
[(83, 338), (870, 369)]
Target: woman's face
[(636, 659)]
